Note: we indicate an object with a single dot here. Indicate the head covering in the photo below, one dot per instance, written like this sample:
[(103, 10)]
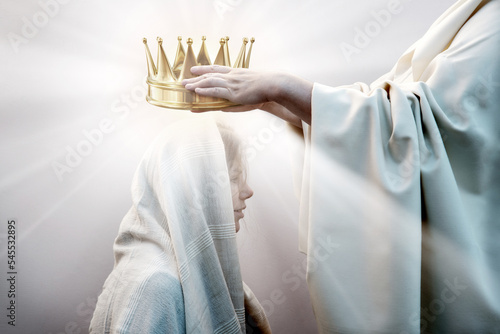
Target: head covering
[(176, 261)]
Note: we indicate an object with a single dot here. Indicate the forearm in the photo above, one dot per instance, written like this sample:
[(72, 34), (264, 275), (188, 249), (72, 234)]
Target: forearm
[(280, 111), (293, 93)]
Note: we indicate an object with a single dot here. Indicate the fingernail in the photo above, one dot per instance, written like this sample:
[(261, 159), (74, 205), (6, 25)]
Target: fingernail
[(188, 86)]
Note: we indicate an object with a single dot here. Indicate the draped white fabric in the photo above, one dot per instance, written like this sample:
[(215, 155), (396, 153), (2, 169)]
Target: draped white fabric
[(176, 262), (401, 188)]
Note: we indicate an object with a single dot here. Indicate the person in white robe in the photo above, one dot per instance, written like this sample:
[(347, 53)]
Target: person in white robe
[(176, 261), (401, 180)]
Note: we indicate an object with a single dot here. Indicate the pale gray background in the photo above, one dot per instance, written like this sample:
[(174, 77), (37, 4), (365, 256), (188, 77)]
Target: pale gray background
[(86, 63)]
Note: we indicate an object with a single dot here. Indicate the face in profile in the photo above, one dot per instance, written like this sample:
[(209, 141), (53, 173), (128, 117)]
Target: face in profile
[(240, 190), (235, 164)]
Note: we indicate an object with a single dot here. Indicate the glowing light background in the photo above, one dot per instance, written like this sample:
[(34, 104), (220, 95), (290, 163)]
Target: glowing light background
[(85, 63)]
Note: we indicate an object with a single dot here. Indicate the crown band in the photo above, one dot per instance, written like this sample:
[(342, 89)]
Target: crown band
[(164, 81)]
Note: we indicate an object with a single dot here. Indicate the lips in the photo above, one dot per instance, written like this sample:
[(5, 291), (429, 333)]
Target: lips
[(240, 210)]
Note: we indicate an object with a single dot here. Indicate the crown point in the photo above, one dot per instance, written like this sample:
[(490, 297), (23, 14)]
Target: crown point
[(163, 66), (189, 61), (240, 61), (222, 41), (179, 57), (247, 59), (227, 38), (203, 57), (151, 66)]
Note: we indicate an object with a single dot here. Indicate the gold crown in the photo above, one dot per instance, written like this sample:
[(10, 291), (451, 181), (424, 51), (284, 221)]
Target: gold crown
[(164, 81)]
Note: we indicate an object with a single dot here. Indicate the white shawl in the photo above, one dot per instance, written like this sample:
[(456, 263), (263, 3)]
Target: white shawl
[(176, 263), (400, 200)]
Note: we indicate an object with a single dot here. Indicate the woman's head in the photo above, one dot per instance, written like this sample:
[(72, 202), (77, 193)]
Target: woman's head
[(237, 172)]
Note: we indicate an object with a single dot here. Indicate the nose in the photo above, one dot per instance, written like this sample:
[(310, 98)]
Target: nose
[(246, 192)]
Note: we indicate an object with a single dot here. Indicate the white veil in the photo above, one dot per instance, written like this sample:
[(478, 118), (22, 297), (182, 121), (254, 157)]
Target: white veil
[(176, 261)]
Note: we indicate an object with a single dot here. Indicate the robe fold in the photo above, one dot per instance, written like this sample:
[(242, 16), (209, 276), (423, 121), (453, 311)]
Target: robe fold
[(400, 200)]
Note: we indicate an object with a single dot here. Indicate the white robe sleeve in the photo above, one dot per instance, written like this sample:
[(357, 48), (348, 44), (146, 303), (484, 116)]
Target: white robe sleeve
[(401, 186)]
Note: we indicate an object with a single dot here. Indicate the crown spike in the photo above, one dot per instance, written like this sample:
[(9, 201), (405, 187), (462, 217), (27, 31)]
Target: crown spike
[(240, 61), (151, 65), (203, 57), (189, 61), (221, 59), (164, 69), (226, 51), (179, 57), (247, 60)]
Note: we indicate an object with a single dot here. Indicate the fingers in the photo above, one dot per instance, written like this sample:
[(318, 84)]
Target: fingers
[(214, 92), (205, 76), (207, 70), (206, 82), (200, 70), (211, 83), (191, 80)]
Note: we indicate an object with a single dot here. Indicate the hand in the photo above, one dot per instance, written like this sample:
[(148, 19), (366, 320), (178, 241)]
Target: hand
[(237, 85), (281, 94)]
